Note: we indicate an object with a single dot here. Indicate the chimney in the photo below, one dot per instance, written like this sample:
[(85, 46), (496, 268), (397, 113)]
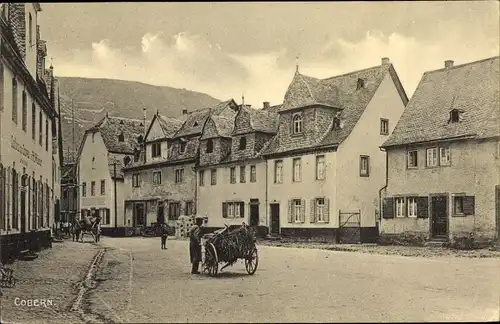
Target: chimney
[(266, 104), (385, 60), (448, 64), (184, 111)]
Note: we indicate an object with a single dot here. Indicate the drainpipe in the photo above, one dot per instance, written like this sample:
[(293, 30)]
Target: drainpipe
[(385, 186), (267, 205), (116, 204)]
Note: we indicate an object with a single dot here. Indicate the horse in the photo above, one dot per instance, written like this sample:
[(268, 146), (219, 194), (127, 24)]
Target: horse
[(82, 227)]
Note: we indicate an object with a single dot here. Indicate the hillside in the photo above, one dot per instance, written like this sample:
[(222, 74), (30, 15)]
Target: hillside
[(92, 98)]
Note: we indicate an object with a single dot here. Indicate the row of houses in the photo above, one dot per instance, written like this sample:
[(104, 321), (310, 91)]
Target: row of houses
[(343, 158), (30, 154)]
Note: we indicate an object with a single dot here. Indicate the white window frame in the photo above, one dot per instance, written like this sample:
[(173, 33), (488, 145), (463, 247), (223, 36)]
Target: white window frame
[(201, 178), (400, 207), (297, 170), (384, 126), (320, 210), (253, 173), (232, 175), (434, 156), (156, 150), (92, 188), (408, 155), (84, 189), (411, 207), (179, 175), (136, 180), (157, 179), (243, 174), (444, 160), (237, 209), (364, 166), (297, 124), (320, 167), (103, 187), (278, 171), (455, 198), (213, 177)]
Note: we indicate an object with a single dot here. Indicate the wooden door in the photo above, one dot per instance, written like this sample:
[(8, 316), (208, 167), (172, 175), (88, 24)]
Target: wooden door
[(160, 217), (275, 219), (254, 214), (439, 217)]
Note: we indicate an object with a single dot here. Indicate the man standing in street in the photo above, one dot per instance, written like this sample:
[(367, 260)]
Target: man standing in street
[(164, 236), (195, 246)]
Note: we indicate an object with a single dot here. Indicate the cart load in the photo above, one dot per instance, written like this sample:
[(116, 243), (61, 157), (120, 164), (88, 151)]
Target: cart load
[(228, 246)]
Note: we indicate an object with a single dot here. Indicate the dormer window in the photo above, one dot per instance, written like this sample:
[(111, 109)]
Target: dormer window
[(126, 160), (361, 84), (140, 139), (297, 124), (195, 124), (121, 138), (336, 123), (121, 122), (243, 143), (182, 147), (210, 146), (454, 116)]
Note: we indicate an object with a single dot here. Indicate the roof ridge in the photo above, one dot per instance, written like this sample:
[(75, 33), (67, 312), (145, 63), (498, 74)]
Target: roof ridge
[(307, 85), (353, 72), (463, 65), (124, 118)]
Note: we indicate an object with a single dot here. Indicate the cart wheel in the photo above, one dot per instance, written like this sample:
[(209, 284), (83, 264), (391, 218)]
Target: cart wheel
[(12, 282), (252, 261), (211, 260)]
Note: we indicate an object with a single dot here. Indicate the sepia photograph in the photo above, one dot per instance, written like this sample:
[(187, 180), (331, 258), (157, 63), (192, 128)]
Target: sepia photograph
[(250, 162)]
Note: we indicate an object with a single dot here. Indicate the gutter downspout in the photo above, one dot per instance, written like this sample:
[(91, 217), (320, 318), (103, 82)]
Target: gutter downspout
[(267, 199), (385, 186), (116, 204)]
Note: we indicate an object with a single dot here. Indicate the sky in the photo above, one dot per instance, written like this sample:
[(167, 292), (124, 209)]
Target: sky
[(232, 49)]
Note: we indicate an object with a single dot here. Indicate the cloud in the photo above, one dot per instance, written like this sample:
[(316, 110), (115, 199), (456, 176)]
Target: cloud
[(189, 61)]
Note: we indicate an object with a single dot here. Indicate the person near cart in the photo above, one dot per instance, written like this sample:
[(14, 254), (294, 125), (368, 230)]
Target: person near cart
[(195, 246)]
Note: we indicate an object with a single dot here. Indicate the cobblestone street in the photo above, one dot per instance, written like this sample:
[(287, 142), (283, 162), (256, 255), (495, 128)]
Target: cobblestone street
[(136, 281)]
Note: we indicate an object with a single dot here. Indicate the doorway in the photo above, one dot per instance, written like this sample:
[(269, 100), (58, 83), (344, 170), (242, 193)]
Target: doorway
[(254, 212), (160, 217), (23, 211), (275, 219), (439, 214), (138, 218)]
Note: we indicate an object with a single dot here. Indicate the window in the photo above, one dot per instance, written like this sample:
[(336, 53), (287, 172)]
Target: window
[(411, 207), (121, 138), (400, 206), (40, 127), (156, 150), (320, 167), (174, 210), (297, 124), (30, 29), (234, 209), (46, 135), (412, 159), (189, 208), (384, 126), (320, 209), (92, 188), (24, 116), (364, 166), (182, 147), (210, 146), (33, 121), (296, 170), (135, 180), (242, 174), (157, 177), (103, 187), (444, 156), (361, 84), (243, 143), (454, 116), (84, 189), (253, 173), (232, 175), (278, 171), (202, 178), (296, 210), (432, 160), (14, 100), (93, 162), (179, 175), (213, 177), (458, 205), (337, 124)]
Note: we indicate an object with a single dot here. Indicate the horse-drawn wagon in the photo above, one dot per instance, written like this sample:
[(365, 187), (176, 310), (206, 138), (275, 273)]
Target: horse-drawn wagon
[(228, 246)]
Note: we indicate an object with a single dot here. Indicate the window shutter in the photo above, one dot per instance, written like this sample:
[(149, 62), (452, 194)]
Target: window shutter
[(312, 208), (290, 215), (303, 211), (388, 208), (422, 207), (224, 210), (108, 213), (242, 209), (326, 210), (469, 205)]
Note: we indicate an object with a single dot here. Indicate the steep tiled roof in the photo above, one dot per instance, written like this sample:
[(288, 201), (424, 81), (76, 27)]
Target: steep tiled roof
[(169, 125), (472, 89), (273, 109), (110, 129), (223, 125), (340, 91), (263, 121)]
